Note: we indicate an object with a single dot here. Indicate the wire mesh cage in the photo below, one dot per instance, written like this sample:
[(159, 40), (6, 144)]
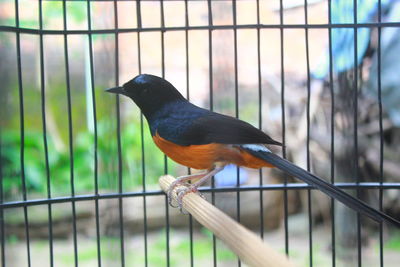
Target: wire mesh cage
[(78, 167)]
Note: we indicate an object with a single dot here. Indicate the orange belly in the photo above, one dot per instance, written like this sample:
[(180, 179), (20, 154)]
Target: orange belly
[(205, 156)]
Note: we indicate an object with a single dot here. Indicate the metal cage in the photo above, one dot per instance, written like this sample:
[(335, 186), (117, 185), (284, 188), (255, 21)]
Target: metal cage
[(18, 33)]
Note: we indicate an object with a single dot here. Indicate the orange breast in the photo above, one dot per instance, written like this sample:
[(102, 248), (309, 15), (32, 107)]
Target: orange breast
[(205, 156)]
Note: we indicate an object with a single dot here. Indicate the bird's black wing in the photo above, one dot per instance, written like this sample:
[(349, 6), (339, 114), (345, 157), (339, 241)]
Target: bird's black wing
[(205, 127), (218, 128)]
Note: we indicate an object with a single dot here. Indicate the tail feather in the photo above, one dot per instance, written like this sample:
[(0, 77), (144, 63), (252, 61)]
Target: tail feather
[(327, 188)]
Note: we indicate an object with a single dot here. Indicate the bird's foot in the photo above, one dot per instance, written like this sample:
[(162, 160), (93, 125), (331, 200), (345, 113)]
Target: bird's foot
[(181, 182), (172, 188), (180, 186), (181, 189), (181, 192)]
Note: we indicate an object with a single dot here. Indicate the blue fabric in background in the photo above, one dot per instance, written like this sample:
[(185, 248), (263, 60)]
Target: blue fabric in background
[(343, 49), (343, 38), (389, 67), (228, 176)]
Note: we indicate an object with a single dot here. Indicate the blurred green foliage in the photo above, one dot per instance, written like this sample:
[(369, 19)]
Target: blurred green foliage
[(393, 242), (202, 249), (83, 161), (52, 10)]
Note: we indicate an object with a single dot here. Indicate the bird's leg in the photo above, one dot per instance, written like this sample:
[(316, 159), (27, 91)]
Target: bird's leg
[(207, 176), (194, 187), (181, 181)]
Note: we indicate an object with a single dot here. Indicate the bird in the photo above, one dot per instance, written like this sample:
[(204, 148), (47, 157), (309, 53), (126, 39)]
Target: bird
[(202, 139)]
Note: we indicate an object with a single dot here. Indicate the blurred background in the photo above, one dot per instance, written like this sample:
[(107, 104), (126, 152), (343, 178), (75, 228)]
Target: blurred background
[(331, 94)]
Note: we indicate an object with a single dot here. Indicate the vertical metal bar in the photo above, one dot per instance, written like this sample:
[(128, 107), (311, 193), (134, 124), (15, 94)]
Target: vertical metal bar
[(70, 135), (143, 175), (162, 40), (191, 240), (310, 236), (167, 230), (332, 155), (235, 57), (187, 51), (139, 25), (188, 98), (210, 54), (96, 178), (381, 146), (22, 133), (260, 115), (46, 153), (2, 231), (355, 88), (163, 62), (235, 60), (211, 92), (285, 192), (117, 107)]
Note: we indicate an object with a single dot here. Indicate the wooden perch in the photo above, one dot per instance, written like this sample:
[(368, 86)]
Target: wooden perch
[(244, 243)]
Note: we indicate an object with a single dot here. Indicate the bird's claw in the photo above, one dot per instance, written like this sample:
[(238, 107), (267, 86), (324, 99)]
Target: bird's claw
[(180, 193), (171, 190)]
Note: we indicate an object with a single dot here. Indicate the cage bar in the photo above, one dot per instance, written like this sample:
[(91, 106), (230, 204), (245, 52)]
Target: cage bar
[(49, 199)]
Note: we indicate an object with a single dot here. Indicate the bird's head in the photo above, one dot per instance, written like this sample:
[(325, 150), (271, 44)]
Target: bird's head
[(149, 92)]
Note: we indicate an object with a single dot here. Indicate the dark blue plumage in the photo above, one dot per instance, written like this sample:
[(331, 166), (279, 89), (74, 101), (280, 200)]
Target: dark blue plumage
[(186, 124), (175, 119)]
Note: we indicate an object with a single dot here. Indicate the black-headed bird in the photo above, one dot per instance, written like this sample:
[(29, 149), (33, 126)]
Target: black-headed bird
[(206, 140)]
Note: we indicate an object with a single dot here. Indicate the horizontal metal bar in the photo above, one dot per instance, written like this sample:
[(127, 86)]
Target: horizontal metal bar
[(289, 186), (76, 198), (204, 27)]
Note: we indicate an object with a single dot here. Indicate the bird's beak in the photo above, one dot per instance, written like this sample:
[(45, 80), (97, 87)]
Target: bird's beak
[(116, 90)]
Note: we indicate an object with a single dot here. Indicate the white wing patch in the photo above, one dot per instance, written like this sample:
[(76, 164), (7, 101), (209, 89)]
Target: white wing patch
[(256, 147)]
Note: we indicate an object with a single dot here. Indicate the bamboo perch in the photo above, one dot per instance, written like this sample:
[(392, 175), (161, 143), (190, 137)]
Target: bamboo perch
[(244, 243)]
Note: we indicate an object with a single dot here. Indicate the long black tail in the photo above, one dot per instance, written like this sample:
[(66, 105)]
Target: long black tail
[(324, 186)]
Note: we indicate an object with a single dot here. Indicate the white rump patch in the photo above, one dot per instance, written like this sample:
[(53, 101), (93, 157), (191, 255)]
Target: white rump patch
[(256, 147)]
